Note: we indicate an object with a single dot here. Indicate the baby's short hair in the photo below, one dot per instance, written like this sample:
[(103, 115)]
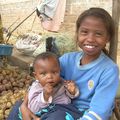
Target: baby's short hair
[(45, 55)]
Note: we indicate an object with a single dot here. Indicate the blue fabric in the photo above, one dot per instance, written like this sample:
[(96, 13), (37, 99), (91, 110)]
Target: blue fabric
[(68, 116), (20, 114), (62, 112), (95, 80), (41, 112), (46, 110), (52, 112), (15, 111)]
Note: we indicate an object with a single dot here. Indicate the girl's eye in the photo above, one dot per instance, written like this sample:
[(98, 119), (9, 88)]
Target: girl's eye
[(99, 34), (83, 32)]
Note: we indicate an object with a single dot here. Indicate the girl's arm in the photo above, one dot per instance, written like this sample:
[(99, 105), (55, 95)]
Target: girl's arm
[(102, 102), (26, 113)]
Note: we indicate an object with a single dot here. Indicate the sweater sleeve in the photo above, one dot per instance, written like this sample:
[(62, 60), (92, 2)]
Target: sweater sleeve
[(102, 103), (35, 98), (63, 63)]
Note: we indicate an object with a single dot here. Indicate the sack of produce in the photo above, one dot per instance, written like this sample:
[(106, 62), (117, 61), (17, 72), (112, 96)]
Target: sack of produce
[(41, 48), (28, 43)]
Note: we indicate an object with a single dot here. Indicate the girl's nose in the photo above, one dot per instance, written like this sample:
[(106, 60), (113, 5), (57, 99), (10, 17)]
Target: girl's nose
[(91, 37)]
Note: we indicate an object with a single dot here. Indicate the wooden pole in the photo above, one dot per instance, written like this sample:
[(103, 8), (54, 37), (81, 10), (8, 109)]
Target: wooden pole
[(113, 46), (1, 32), (115, 15)]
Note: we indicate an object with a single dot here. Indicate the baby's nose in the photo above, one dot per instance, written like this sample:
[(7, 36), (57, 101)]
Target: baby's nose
[(49, 75), (50, 79)]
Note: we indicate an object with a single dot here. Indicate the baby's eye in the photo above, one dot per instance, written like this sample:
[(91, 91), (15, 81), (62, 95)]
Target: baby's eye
[(43, 73), (54, 72)]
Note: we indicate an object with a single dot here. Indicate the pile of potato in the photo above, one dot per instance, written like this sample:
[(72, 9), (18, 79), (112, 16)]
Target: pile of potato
[(13, 85)]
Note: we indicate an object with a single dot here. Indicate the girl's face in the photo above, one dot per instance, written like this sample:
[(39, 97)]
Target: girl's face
[(92, 36), (47, 71)]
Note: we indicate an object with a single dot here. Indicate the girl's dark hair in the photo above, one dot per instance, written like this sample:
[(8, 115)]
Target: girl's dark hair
[(45, 55), (103, 15)]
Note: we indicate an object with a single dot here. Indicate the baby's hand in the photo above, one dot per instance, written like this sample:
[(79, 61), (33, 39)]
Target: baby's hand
[(47, 91), (71, 87)]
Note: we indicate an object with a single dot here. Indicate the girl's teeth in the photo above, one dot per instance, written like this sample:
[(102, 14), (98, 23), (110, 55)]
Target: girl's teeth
[(88, 46)]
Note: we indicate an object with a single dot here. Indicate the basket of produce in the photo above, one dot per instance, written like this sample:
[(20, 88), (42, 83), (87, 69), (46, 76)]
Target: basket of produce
[(5, 50)]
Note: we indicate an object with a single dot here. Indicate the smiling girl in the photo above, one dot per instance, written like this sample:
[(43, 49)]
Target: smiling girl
[(95, 74)]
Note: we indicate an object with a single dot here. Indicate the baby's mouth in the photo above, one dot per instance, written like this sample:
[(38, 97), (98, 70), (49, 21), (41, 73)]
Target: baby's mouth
[(52, 83)]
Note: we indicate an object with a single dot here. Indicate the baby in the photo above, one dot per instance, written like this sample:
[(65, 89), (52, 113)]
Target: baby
[(49, 88)]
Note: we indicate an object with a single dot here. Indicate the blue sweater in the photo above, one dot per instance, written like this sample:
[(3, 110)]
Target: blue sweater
[(97, 81)]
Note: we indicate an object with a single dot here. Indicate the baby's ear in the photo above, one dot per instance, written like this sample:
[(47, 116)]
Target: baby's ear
[(33, 74)]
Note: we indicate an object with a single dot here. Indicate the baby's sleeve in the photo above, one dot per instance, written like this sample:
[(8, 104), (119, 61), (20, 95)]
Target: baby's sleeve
[(35, 98)]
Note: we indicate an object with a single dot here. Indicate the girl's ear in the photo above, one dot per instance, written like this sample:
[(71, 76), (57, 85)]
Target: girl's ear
[(108, 39), (76, 38)]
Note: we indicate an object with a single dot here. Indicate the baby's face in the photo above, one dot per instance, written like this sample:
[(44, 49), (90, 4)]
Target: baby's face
[(47, 71)]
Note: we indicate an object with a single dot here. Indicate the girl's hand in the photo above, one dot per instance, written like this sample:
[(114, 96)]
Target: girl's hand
[(71, 87), (26, 113), (36, 118)]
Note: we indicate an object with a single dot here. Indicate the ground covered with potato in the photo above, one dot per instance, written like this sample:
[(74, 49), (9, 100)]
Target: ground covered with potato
[(13, 85)]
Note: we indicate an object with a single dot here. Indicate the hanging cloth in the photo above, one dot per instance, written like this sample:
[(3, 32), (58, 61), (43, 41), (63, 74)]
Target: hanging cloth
[(46, 9), (52, 20)]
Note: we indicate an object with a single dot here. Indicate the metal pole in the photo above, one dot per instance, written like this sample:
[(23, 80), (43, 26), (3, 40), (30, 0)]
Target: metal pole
[(10, 33)]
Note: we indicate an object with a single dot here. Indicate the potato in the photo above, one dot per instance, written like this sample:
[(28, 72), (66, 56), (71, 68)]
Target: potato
[(21, 85), (1, 77), (0, 70), (4, 92), (7, 113), (8, 86), (12, 79), (1, 117), (16, 91), (8, 105), (4, 81), (14, 84), (3, 72), (7, 77), (1, 88), (1, 111), (13, 101)]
